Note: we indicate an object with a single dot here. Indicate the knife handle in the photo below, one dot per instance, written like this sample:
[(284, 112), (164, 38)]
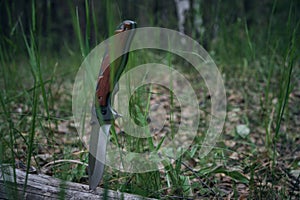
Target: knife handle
[(110, 72)]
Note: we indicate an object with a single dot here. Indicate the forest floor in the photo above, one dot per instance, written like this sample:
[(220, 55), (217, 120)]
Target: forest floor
[(241, 165)]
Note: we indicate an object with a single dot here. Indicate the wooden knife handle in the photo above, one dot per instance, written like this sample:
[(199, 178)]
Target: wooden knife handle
[(110, 73)]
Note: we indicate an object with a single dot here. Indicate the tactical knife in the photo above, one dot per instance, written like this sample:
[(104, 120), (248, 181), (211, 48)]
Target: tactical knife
[(102, 110)]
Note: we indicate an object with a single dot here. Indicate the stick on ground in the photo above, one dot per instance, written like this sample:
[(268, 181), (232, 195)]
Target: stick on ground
[(40, 186)]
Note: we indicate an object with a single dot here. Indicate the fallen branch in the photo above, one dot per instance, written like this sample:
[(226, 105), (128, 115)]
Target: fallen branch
[(40, 186)]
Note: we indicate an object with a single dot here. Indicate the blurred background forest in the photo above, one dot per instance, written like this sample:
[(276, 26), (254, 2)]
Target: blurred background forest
[(205, 21), (255, 44)]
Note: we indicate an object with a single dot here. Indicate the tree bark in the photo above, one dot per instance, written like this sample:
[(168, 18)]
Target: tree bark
[(46, 187)]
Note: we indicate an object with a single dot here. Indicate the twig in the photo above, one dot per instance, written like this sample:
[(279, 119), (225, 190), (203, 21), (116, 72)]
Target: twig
[(44, 168)]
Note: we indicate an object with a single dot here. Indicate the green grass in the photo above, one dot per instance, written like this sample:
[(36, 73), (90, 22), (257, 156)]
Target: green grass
[(261, 72)]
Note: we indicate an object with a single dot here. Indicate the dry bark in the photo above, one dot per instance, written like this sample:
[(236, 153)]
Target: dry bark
[(40, 186)]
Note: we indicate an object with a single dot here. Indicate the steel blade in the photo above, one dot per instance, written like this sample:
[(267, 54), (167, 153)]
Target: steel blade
[(98, 141)]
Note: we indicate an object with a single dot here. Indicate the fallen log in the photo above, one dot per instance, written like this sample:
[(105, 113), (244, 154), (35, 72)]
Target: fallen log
[(40, 186)]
